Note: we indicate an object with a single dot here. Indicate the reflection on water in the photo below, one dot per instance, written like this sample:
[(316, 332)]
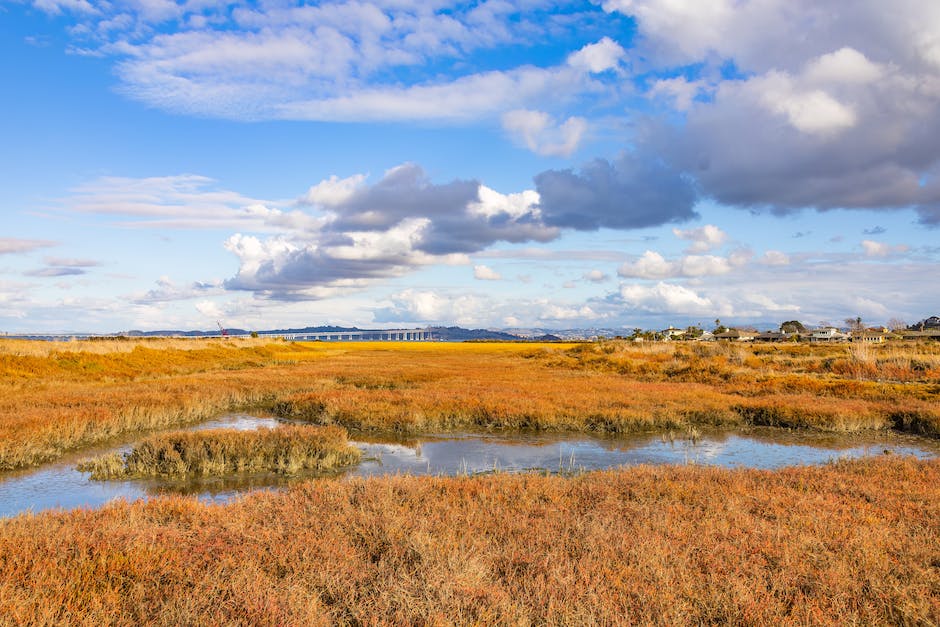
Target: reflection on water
[(59, 485), (759, 448)]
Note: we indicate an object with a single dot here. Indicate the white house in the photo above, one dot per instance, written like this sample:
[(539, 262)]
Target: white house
[(828, 334)]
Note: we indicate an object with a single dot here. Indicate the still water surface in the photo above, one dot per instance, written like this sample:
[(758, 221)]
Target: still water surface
[(59, 485)]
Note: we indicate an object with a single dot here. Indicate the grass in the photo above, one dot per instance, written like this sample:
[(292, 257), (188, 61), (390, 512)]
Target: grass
[(847, 543), (57, 397), (285, 450)]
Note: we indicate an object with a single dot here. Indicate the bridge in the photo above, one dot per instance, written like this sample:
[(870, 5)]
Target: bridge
[(361, 335), (364, 335)]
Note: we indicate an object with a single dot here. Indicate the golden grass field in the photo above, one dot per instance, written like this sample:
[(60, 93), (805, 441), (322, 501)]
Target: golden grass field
[(59, 397), (846, 543), (852, 543)]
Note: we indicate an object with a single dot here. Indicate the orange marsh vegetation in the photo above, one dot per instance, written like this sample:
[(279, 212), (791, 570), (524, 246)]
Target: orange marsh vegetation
[(847, 543), (56, 397)]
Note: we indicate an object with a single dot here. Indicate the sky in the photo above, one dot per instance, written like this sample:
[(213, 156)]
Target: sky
[(499, 163)]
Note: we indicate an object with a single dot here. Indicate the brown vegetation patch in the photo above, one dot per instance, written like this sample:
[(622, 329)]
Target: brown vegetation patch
[(848, 543)]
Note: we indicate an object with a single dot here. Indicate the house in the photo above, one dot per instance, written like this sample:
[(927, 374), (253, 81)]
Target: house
[(870, 336), (828, 334), (773, 336), (736, 335), (672, 333), (921, 335)]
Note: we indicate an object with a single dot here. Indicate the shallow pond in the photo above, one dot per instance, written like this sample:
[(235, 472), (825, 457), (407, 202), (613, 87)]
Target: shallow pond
[(59, 485)]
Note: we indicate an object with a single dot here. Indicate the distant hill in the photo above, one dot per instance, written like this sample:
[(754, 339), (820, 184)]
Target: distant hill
[(457, 334)]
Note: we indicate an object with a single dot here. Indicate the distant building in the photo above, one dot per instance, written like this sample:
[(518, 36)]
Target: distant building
[(870, 335), (773, 336), (736, 335), (828, 334), (672, 333), (921, 335)]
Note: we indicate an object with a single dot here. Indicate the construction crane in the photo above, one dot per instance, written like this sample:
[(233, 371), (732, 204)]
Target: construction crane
[(224, 332)]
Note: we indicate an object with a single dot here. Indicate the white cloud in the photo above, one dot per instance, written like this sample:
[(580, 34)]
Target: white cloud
[(209, 309), (184, 201), (667, 298), (880, 249), (168, 290), (595, 276), (12, 245), (769, 305), (604, 55), (485, 273), (424, 306), (704, 238), (652, 265), (845, 65), (538, 132), (554, 312), (775, 258), (334, 190), (682, 91), (809, 111), (492, 203)]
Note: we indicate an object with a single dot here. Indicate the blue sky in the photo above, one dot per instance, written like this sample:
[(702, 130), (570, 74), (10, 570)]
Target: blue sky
[(497, 163)]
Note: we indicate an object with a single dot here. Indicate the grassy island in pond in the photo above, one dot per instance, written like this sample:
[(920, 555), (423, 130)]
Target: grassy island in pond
[(285, 450)]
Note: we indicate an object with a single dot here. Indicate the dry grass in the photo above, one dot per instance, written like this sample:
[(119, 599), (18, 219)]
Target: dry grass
[(285, 450), (849, 543), (62, 400)]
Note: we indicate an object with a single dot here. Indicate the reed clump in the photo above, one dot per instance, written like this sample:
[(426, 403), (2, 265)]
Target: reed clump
[(284, 450)]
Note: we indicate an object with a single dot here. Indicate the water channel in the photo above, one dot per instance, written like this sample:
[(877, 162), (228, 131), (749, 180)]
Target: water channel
[(59, 485)]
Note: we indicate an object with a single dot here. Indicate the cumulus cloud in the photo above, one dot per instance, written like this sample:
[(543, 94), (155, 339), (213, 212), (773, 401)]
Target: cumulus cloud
[(387, 229), (634, 191), (595, 276), (428, 307), (604, 55), (168, 291), (537, 131), (775, 258), (880, 249), (847, 119), (485, 273), (668, 298), (333, 191), (652, 265), (703, 238)]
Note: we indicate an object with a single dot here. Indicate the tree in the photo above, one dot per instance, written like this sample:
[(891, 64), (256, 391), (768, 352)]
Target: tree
[(719, 328), (792, 326), (896, 324), (855, 324)]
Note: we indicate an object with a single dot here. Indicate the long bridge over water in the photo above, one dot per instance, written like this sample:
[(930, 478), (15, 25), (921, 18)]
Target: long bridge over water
[(363, 335), (359, 335)]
